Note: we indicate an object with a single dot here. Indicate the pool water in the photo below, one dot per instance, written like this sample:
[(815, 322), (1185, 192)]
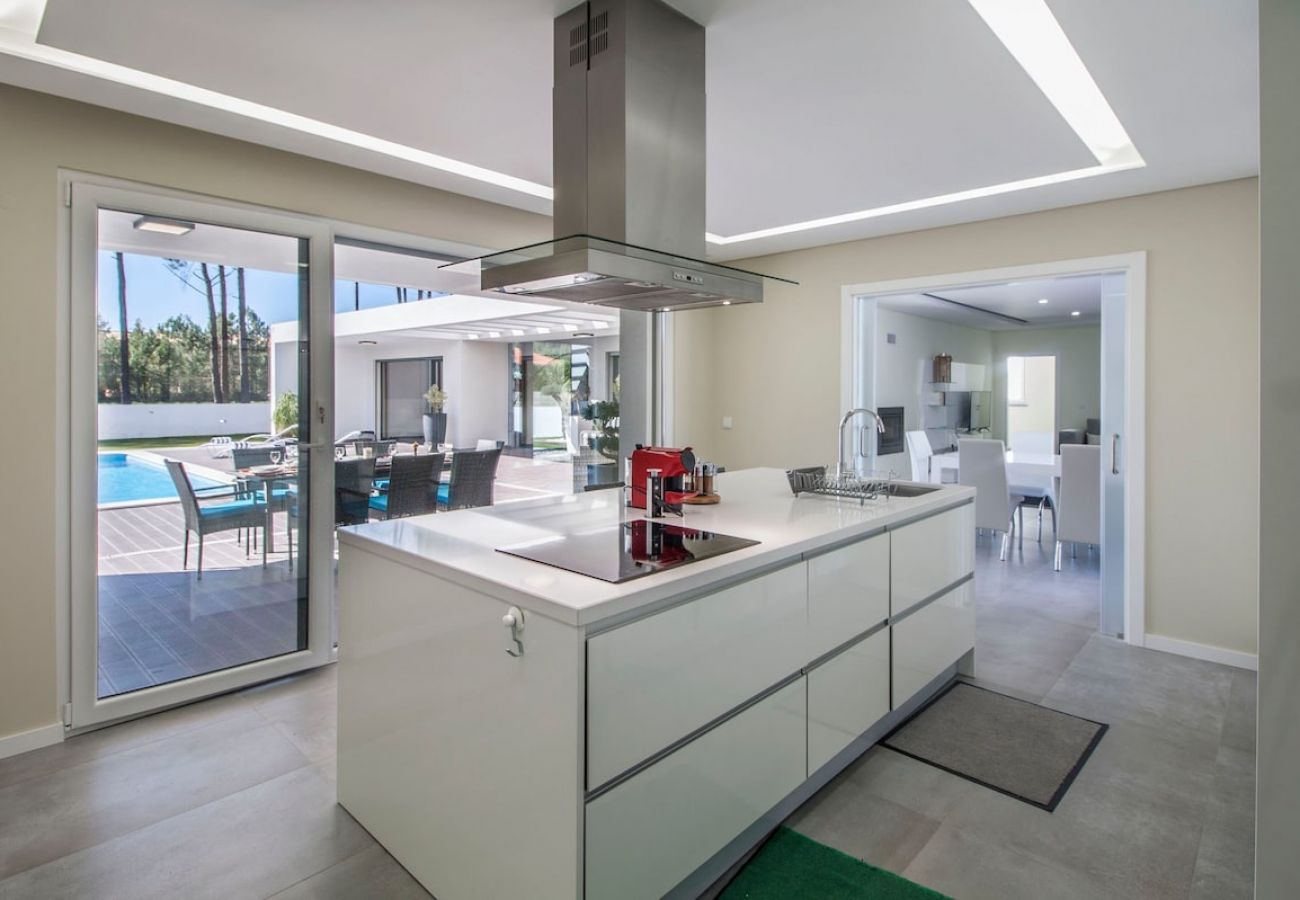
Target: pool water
[(124, 477)]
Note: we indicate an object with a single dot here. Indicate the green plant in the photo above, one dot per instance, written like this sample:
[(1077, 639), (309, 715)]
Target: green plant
[(285, 413), (436, 398), (604, 415)]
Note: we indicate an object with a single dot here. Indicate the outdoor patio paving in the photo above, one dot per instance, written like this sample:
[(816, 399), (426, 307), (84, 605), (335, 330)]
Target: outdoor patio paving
[(158, 623)]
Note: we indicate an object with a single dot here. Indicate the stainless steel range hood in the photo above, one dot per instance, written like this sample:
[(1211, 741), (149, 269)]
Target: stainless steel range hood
[(629, 154)]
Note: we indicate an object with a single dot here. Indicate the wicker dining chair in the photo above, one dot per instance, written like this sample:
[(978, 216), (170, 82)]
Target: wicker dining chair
[(233, 512), (473, 473), (412, 487), (353, 482)]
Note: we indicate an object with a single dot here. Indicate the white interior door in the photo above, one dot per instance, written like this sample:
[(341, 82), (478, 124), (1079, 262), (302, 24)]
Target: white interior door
[(1114, 362), (172, 303)]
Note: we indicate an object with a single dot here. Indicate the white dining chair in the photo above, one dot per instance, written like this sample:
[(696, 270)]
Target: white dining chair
[(920, 451), (982, 464), (1079, 498)]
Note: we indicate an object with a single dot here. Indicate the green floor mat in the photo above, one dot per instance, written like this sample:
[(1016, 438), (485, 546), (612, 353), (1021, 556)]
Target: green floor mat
[(792, 866)]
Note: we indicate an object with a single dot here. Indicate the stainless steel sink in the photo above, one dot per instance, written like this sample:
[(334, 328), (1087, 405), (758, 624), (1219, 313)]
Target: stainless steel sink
[(911, 490)]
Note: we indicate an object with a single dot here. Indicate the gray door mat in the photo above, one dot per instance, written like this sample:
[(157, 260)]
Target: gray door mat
[(1006, 744)]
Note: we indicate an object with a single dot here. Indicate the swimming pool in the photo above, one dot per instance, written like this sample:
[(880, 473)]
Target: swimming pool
[(128, 477)]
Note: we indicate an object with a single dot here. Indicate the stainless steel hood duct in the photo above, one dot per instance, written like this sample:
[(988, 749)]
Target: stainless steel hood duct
[(629, 151)]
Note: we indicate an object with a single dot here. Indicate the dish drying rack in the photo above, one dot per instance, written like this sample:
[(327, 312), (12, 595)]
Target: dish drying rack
[(852, 486)]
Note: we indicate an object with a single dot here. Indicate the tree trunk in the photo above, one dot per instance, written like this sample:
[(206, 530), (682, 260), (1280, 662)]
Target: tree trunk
[(244, 385), (213, 338), (225, 333), (123, 345)]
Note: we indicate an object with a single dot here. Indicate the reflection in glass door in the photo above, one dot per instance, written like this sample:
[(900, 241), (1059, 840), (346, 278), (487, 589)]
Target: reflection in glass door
[(201, 466)]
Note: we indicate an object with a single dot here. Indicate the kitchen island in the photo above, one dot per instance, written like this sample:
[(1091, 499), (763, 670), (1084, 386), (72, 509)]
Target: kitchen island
[(512, 729)]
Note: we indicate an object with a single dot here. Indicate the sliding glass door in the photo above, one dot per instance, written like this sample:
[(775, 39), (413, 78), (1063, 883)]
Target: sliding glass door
[(198, 559)]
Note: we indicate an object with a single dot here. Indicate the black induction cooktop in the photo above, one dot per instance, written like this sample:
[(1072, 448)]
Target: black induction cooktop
[(629, 550)]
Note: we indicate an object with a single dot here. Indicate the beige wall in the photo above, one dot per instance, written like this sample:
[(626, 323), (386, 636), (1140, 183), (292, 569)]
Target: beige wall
[(775, 369), (1078, 371), (38, 135)]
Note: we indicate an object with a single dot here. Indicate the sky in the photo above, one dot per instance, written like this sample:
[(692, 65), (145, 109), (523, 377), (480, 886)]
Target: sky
[(154, 294)]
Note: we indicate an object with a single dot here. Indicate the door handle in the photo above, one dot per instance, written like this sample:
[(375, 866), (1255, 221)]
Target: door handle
[(1114, 454)]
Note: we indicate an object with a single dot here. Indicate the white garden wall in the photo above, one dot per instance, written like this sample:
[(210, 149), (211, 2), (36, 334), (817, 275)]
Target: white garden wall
[(139, 420)]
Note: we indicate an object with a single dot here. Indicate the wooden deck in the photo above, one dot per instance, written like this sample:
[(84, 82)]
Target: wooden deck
[(159, 623)]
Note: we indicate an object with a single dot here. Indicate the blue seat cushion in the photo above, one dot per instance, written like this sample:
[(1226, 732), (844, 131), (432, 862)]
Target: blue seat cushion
[(444, 493), (380, 503), (230, 510), (381, 484)]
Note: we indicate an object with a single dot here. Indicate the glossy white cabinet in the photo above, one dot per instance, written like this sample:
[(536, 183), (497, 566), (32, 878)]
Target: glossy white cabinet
[(848, 593), (648, 833), (932, 639), (847, 695), (656, 680), (929, 555)]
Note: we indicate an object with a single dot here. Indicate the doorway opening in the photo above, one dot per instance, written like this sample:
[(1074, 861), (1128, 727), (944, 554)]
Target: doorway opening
[(1055, 353)]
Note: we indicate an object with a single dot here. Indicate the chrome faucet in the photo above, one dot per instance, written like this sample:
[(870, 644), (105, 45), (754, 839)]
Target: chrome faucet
[(865, 443)]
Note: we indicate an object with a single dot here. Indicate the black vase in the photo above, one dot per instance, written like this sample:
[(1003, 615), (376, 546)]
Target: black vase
[(435, 428)]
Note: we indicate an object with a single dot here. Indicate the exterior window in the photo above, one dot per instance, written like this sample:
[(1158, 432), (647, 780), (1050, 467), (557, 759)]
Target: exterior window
[(1016, 380), (402, 383)]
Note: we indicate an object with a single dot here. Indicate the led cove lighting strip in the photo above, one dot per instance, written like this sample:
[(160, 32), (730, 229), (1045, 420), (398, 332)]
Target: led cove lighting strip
[(1032, 35), (1026, 28), (23, 45)]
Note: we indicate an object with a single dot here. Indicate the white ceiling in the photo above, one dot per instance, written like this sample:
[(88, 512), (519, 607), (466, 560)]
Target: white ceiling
[(1020, 300), (815, 108)]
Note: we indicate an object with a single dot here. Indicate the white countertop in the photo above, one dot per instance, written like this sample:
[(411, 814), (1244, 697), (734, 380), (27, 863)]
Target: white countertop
[(756, 504)]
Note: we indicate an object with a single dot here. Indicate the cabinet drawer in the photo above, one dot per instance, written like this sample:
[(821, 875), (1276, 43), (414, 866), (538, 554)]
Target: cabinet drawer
[(846, 696), (932, 639), (848, 593), (647, 834), (654, 681), (931, 554)]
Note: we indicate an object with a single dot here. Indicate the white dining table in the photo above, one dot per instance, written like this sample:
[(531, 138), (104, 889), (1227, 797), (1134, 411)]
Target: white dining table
[(1022, 468)]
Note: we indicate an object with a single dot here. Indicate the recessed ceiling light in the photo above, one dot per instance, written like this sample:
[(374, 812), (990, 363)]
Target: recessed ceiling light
[(516, 331), (472, 337), (1075, 313), (599, 324), (160, 225), (1042, 301), (569, 326), (543, 331), (494, 334)]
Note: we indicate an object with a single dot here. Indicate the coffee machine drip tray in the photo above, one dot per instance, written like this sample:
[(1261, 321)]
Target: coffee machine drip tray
[(629, 550)]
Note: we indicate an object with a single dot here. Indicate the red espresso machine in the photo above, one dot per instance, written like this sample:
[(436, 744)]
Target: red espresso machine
[(676, 467)]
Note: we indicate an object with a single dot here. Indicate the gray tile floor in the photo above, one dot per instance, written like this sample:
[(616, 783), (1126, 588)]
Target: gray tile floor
[(234, 797)]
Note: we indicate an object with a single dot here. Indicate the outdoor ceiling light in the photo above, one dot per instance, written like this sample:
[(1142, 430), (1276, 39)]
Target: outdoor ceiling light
[(599, 324), (472, 337), (160, 225), (494, 334), (1075, 313), (1042, 301), (543, 331)]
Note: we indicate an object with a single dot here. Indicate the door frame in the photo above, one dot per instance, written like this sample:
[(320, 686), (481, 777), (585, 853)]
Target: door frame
[(83, 196), (857, 383)]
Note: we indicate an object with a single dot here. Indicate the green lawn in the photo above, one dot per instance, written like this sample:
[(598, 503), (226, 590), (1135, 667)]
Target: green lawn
[(192, 440)]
